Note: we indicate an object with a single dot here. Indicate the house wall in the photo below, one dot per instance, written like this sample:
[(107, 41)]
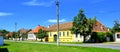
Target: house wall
[(117, 39), (77, 38), (62, 38), (31, 37)]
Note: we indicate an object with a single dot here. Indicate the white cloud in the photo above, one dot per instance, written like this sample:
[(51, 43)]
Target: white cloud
[(5, 14), (36, 3), (54, 20)]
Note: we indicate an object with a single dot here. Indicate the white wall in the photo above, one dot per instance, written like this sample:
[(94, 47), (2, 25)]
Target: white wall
[(31, 37), (117, 39), (1, 40), (77, 39)]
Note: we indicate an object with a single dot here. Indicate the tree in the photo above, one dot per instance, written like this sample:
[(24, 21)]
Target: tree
[(4, 32), (41, 34), (14, 35), (116, 27), (82, 25), (19, 34)]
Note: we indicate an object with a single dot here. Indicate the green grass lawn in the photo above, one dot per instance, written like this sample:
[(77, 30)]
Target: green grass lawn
[(31, 47)]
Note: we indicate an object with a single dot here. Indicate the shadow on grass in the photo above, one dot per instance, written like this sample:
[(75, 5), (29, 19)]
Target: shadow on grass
[(4, 50), (6, 44)]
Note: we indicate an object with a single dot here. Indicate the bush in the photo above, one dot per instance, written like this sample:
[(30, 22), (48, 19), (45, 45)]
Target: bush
[(98, 37), (110, 35)]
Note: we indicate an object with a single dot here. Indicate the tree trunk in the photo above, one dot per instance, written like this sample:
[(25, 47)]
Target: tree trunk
[(19, 38), (36, 38), (84, 39), (41, 40)]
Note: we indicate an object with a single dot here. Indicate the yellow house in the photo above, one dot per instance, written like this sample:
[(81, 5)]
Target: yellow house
[(65, 34)]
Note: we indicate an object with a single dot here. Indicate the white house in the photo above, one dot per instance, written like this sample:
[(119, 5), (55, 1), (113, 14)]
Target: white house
[(32, 34), (117, 37)]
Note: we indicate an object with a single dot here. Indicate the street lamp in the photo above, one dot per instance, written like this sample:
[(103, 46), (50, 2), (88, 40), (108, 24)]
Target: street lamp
[(57, 17)]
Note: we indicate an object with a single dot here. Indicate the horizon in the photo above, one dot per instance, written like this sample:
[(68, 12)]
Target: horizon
[(30, 13)]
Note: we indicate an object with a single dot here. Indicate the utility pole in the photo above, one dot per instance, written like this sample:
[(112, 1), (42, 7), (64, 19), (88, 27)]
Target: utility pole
[(57, 17), (15, 31)]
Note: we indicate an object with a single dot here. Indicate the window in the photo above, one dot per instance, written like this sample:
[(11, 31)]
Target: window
[(63, 33), (118, 35), (60, 34), (50, 34), (67, 33)]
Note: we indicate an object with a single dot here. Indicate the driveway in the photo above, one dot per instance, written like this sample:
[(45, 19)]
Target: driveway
[(99, 45)]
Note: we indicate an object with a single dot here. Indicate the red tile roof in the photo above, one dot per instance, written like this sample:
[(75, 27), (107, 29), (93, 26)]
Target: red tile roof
[(23, 30), (98, 27), (63, 26), (35, 30), (10, 34)]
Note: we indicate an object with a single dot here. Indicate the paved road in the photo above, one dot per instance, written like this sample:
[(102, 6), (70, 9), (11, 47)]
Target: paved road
[(111, 46), (100, 45)]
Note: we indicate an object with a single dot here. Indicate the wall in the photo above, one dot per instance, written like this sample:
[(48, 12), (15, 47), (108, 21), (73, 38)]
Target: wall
[(117, 39), (1, 40), (79, 38), (62, 38), (31, 37)]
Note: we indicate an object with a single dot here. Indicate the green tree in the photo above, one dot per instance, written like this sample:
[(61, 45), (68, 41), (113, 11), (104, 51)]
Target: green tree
[(15, 35), (116, 27), (82, 25), (18, 32), (4, 33), (41, 34)]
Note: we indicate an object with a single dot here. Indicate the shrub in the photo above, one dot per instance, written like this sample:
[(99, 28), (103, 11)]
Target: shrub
[(110, 35), (98, 37)]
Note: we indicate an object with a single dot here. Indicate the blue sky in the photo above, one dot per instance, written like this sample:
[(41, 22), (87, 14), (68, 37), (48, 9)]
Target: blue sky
[(29, 13)]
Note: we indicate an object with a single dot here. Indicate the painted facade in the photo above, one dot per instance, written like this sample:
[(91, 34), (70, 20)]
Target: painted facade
[(32, 34), (65, 27), (64, 36), (117, 37)]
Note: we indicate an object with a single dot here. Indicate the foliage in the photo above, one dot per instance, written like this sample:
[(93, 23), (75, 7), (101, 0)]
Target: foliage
[(82, 25), (4, 33), (23, 35), (98, 37), (41, 34), (110, 35), (15, 35), (116, 27), (101, 36)]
